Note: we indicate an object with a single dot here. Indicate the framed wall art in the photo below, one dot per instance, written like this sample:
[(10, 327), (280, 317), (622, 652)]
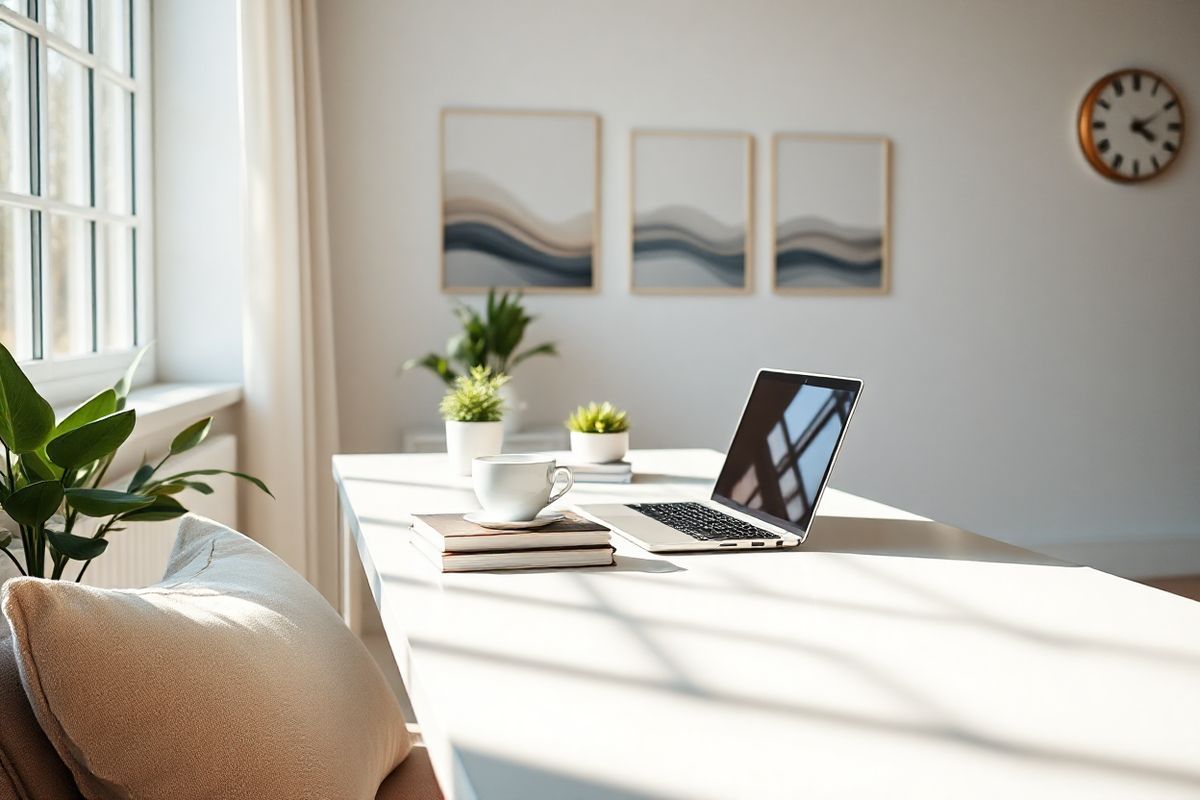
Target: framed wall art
[(831, 214), (520, 200), (692, 212)]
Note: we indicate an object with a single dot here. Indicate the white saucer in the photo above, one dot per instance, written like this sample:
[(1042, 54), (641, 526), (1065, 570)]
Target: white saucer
[(540, 521)]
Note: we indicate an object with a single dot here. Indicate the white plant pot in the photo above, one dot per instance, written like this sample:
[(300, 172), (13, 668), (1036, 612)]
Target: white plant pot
[(599, 448), (514, 407), (468, 440)]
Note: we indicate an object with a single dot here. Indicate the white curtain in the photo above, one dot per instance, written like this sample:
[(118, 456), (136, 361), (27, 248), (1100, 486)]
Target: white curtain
[(289, 420)]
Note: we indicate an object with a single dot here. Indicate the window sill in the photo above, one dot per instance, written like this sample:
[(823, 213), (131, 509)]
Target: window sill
[(169, 406)]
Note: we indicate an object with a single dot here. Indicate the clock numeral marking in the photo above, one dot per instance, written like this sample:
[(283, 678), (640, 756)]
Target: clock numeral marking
[(1169, 147), (1170, 104), (1136, 168), (1174, 126), (1103, 104), (1103, 146), (1099, 124), (1154, 91), (1118, 87), (1154, 161), (1117, 161), (1137, 87)]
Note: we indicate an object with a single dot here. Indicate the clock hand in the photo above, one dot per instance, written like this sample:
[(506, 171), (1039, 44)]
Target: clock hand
[(1141, 122), (1138, 127)]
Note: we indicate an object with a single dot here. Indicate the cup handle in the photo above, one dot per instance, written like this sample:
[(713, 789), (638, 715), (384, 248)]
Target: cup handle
[(570, 482)]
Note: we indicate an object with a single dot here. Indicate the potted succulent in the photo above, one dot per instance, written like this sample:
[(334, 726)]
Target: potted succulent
[(599, 433), (53, 488), (488, 340), (473, 410)]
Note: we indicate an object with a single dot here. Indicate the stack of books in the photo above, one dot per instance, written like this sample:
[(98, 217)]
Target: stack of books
[(455, 545), (613, 472)]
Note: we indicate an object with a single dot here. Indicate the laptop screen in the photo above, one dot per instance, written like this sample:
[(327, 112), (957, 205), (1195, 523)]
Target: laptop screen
[(782, 453)]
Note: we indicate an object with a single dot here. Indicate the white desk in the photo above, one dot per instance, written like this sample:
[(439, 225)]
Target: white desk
[(890, 656)]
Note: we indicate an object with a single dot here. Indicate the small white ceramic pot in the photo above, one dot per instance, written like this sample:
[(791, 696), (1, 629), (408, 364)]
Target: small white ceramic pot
[(599, 448), (468, 440)]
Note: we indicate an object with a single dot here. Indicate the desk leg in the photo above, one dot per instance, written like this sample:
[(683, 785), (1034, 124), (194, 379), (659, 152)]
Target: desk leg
[(350, 573)]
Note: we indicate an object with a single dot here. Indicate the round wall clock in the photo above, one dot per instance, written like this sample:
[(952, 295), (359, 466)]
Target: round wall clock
[(1131, 125)]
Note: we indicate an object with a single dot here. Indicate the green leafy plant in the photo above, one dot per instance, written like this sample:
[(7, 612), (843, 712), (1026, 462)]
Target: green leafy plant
[(475, 397), (598, 418), (53, 473), (488, 340)]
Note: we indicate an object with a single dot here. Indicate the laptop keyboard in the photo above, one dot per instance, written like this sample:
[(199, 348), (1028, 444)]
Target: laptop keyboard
[(701, 522)]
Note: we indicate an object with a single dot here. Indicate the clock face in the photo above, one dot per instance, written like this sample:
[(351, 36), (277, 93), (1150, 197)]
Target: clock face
[(1131, 125)]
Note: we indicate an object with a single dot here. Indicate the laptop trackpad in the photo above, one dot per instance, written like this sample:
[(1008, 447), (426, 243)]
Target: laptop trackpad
[(634, 524)]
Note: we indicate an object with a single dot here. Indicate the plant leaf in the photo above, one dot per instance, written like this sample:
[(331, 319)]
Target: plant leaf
[(37, 468), (547, 349), (103, 502), (176, 487), (79, 548), (435, 364), (242, 475), (191, 436), (163, 508), (89, 442), (32, 505), (26, 419), (5, 539), (100, 405), (123, 386), (143, 474)]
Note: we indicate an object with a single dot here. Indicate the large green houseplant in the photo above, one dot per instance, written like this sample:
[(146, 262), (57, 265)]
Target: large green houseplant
[(490, 339), (53, 475)]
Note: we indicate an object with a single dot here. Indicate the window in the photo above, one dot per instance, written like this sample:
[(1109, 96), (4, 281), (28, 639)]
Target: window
[(74, 229)]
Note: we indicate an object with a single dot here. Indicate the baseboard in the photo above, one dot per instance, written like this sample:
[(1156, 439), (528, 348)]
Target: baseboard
[(1141, 558)]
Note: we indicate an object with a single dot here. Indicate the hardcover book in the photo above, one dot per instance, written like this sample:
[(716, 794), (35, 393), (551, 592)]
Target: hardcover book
[(450, 533)]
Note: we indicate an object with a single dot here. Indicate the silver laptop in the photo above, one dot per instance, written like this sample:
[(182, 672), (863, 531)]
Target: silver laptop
[(774, 473)]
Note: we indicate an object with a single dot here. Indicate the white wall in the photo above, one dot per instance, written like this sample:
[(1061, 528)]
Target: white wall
[(1034, 373), (197, 187)]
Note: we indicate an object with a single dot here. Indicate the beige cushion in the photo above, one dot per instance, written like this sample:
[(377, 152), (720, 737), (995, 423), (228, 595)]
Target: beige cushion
[(30, 769), (230, 678), (412, 780)]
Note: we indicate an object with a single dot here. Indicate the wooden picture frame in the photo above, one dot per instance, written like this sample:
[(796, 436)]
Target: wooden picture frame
[(831, 234), (685, 237), (507, 177)]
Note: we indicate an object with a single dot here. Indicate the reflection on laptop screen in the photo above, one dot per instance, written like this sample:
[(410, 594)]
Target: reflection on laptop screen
[(781, 455)]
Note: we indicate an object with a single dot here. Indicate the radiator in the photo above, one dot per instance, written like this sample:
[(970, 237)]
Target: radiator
[(137, 555)]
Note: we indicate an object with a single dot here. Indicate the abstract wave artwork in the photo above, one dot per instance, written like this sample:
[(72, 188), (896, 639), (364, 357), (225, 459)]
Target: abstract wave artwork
[(831, 214), (519, 200), (691, 212), (811, 251)]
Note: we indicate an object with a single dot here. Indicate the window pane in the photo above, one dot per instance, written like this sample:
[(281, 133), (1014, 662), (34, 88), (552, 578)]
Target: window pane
[(16, 304), (14, 110), (113, 147), (111, 34), (15, 5), (67, 158), (68, 18), (114, 286), (68, 290)]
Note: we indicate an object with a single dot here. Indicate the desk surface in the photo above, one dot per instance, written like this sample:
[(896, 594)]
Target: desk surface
[(888, 656)]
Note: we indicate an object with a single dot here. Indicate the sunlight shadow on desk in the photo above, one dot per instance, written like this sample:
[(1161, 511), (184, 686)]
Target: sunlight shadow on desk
[(914, 539), (738, 702), (504, 777), (622, 563)]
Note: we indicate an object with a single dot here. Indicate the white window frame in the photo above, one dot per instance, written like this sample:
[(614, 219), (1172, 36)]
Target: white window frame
[(65, 379)]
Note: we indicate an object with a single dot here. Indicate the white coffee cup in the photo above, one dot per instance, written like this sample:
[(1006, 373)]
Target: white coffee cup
[(514, 488)]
